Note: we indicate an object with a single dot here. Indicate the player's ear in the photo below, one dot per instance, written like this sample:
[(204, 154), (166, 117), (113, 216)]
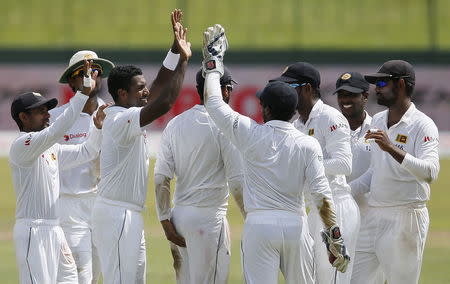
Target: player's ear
[(122, 95), (365, 96), (23, 117)]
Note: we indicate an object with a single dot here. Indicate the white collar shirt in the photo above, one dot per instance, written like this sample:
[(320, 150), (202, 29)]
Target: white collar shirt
[(36, 160), (124, 158), (202, 159), (392, 183), (360, 149), (332, 130), (280, 162), (84, 178)]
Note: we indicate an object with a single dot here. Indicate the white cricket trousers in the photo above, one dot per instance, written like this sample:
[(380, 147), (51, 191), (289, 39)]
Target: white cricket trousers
[(206, 257), (118, 234), (393, 238), (42, 253), (75, 213), (362, 201), (275, 240), (348, 219)]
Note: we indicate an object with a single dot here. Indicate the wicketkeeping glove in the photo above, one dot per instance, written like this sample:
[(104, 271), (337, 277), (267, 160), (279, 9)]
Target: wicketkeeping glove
[(214, 46), (337, 254)]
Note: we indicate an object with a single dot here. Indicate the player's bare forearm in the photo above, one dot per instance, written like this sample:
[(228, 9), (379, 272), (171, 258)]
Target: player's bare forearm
[(385, 144), (327, 212), (165, 93), (396, 153), (162, 197)]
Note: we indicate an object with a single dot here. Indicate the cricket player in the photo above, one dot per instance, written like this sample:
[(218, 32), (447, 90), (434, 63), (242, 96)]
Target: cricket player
[(331, 129), (78, 186), (43, 255), (203, 160), (124, 159), (280, 163), (352, 94), (404, 162)]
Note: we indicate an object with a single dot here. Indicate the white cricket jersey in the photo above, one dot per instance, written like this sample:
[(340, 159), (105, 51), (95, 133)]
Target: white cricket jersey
[(84, 178), (331, 129), (392, 183), (201, 157), (35, 161), (124, 157), (279, 161), (360, 149)]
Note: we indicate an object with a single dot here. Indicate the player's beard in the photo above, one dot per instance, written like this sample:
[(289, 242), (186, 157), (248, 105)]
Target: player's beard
[(387, 98)]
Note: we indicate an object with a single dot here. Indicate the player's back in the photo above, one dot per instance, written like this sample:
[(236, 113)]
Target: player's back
[(192, 148), (277, 167)]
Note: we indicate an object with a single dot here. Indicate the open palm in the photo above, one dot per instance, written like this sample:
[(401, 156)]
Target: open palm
[(183, 46)]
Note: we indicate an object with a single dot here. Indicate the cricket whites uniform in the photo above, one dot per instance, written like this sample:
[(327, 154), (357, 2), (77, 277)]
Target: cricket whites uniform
[(331, 129), (279, 163), (396, 226), (43, 255), (203, 160), (118, 226), (360, 164), (78, 188)]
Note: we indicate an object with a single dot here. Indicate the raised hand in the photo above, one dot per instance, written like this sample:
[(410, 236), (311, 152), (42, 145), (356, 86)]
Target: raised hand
[(88, 78), (215, 44), (99, 117), (181, 45)]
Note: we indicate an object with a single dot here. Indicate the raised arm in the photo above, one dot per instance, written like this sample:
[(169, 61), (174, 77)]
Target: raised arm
[(73, 155), (35, 143), (166, 87), (236, 127)]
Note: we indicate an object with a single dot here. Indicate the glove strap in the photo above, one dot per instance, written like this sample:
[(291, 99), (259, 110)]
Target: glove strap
[(212, 64)]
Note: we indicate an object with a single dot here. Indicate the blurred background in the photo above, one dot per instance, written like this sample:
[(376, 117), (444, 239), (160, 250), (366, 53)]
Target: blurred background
[(38, 37)]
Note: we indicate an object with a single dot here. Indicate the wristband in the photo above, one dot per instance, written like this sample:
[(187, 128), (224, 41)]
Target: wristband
[(171, 60)]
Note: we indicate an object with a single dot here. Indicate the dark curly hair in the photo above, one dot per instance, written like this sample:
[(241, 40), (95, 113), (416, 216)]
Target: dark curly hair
[(120, 78)]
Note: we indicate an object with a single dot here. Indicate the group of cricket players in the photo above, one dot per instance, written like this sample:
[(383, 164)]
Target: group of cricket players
[(327, 196)]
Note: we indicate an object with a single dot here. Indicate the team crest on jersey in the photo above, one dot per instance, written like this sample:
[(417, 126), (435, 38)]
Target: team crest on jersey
[(53, 156), (401, 138), (311, 132)]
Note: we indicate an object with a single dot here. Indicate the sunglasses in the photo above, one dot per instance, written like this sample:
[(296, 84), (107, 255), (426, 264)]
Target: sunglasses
[(295, 85), (381, 83), (80, 72), (229, 87)]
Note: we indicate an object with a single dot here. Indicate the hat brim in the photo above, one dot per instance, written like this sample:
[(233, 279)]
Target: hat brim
[(50, 103), (372, 78), (285, 79), (104, 63), (350, 89)]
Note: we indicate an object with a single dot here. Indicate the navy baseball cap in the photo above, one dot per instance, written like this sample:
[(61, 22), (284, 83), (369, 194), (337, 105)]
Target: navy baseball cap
[(302, 72), (280, 96), (352, 82), (224, 80), (394, 69), (29, 101)]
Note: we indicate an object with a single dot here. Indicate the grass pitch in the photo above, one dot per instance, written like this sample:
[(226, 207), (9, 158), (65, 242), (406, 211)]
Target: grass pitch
[(159, 262)]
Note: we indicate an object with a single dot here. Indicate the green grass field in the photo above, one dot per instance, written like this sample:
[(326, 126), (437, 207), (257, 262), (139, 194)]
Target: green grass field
[(159, 267), (283, 24)]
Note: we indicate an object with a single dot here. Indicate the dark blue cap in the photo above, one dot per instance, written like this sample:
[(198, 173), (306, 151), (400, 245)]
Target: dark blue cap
[(301, 72), (279, 96), (352, 82), (29, 101)]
